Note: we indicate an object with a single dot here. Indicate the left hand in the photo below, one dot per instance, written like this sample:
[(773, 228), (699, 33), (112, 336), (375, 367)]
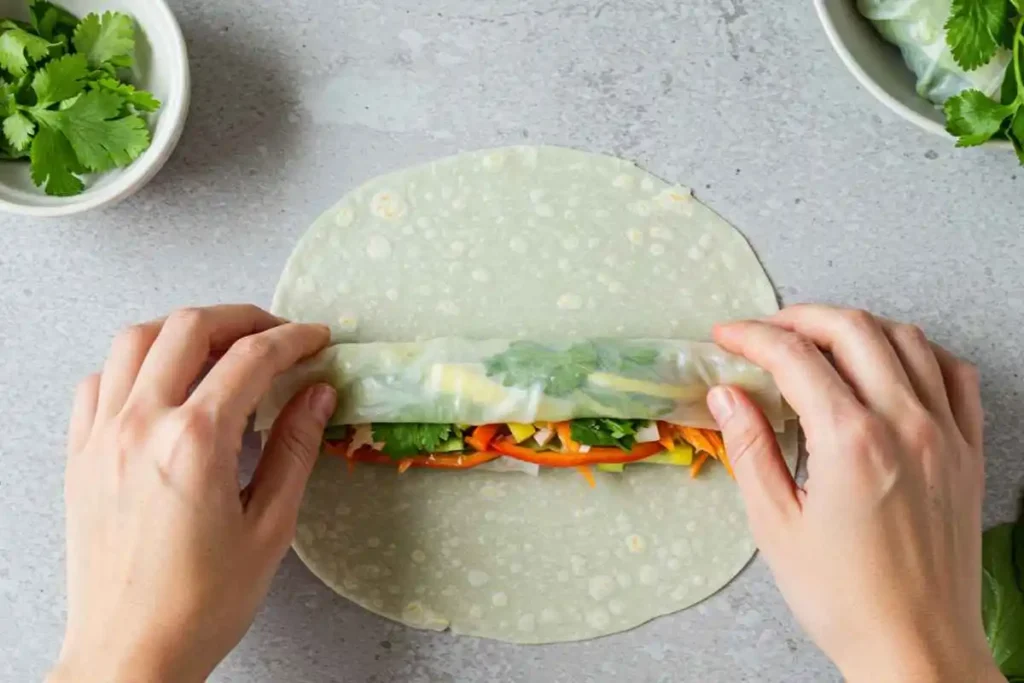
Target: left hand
[(167, 559)]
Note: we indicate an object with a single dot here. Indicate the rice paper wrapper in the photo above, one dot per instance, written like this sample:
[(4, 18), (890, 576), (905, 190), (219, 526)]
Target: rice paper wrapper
[(461, 381)]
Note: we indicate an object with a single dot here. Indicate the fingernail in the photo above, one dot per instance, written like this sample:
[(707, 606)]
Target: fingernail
[(323, 401), (721, 404)]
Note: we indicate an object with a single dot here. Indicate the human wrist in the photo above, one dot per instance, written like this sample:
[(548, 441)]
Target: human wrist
[(97, 665), (952, 665)]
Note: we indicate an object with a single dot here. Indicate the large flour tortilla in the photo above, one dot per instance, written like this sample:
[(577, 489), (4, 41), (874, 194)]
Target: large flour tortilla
[(534, 242)]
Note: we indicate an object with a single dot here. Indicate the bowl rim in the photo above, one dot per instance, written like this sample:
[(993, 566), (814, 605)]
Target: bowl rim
[(854, 67), (139, 173)]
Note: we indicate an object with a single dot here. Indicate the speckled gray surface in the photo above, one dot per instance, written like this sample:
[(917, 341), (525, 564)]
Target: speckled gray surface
[(295, 102)]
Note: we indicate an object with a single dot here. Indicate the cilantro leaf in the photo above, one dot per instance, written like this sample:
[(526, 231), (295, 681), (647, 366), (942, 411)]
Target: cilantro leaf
[(142, 100), (19, 129), (54, 164), (557, 372), (60, 79), (414, 438), (603, 431), (975, 29), (15, 43), (52, 21), (106, 39), (974, 118), (1016, 134), (99, 135)]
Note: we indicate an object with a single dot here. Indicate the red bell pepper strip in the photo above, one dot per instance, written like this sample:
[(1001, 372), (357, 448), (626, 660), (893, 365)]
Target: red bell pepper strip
[(440, 462), (336, 448), (482, 437), (594, 456)]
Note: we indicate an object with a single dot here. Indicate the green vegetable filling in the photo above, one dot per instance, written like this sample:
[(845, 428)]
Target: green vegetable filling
[(417, 438), (606, 432)]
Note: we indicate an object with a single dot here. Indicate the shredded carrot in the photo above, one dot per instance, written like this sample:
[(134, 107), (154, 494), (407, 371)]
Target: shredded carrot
[(403, 465), (697, 464), (698, 439), (715, 439), (588, 475), (564, 432), (665, 437), (351, 465)]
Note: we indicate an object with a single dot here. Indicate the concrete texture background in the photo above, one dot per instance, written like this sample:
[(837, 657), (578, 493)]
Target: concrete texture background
[(296, 101)]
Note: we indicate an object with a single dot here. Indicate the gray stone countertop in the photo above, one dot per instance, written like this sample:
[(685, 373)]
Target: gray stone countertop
[(296, 101)]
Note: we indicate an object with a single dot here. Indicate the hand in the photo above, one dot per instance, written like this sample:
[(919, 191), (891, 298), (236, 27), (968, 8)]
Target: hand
[(879, 554), (167, 559)]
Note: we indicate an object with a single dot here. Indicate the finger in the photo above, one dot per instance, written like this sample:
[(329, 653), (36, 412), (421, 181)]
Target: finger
[(186, 341), (120, 372), (964, 390), (805, 378), (860, 350), (239, 380), (766, 485), (918, 360), (83, 413), (288, 458)]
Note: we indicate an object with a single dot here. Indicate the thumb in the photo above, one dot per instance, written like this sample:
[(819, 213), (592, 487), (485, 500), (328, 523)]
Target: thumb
[(288, 458), (766, 485)]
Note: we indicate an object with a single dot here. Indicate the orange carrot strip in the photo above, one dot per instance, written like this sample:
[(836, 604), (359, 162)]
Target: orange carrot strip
[(403, 465), (697, 464), (564, 432), (587, 474), (665, 436)]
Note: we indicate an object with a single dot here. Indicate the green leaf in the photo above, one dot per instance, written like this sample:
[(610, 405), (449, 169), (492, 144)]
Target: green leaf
[(604, 431), (142, 100), (106, 39), (60, 79), (1002, 605), (54, 164), (52, 21), (15, 44), (19, 129), (1016, 134), (100, 136), (414, 438), (975, 29), (973, 117), (558, 373)]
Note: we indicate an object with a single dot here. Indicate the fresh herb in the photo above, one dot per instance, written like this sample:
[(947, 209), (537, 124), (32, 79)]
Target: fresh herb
[(975, 31), (63, 103), (402, 440), (1002, 604), (560, 373), (602, 431)]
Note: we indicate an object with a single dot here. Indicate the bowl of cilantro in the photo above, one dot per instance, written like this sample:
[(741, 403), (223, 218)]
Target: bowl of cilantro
[(93, 99), (952, 67)]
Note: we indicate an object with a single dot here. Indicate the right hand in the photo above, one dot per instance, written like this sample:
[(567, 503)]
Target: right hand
[(879, 553)]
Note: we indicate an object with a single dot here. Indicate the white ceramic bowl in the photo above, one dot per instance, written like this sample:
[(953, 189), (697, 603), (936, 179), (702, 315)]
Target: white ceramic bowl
[(162, 67), (879, 66)]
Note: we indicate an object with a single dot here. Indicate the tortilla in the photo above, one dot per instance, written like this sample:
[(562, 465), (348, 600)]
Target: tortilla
[(536, 242)]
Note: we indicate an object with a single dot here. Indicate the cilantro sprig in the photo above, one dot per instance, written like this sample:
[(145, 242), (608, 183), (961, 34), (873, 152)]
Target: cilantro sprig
[(64, 105), (414, 438), (975, 32)]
